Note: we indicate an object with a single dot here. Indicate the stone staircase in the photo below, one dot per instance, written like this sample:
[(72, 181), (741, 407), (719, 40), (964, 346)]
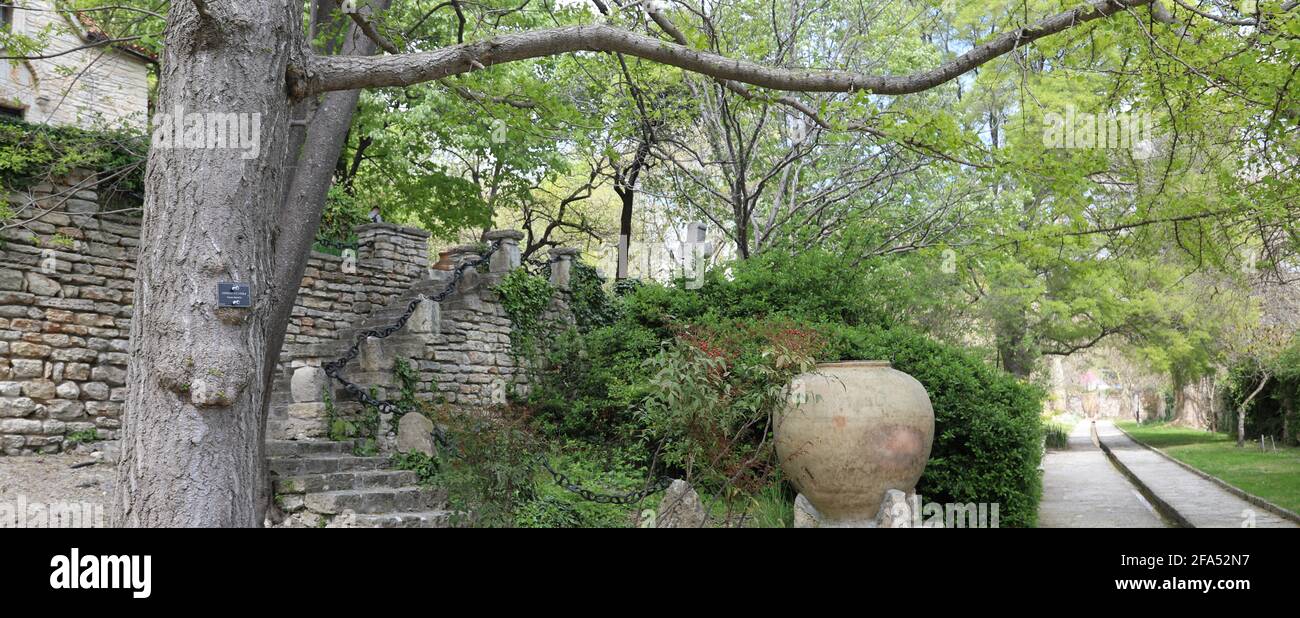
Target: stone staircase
[(320, 483)]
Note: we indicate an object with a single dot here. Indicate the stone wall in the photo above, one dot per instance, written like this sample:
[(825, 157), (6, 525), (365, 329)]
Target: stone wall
[(460, 347), (66, 285), (65, 311)]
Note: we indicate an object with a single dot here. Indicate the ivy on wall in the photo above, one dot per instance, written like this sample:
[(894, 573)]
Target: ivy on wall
[(31, 153), (524, 296)]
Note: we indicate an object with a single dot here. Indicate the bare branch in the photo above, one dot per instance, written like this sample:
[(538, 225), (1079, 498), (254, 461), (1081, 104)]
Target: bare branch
[(369, 30), (349, 73)]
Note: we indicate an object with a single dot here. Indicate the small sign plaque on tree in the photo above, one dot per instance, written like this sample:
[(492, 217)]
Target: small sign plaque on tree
[(234, 295)]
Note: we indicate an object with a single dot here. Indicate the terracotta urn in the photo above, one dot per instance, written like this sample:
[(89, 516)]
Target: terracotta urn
[(853, 431), (445, 262)]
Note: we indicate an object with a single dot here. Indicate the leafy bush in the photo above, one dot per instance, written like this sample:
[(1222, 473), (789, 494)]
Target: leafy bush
[(714, 393), (708, 378), (85, 436), (591, 306), (987, 426), (588, 385), (608, 472), (525, 297), (32, 152), (487, 467)]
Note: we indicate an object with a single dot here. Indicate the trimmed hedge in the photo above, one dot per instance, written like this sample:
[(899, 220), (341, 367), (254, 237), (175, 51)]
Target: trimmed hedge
[(987, 425)]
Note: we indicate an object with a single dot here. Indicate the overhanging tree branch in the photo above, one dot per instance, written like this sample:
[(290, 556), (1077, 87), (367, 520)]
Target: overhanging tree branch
[(328, 73)]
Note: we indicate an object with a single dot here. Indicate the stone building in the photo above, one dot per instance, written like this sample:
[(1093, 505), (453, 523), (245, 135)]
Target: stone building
[(82, 81)]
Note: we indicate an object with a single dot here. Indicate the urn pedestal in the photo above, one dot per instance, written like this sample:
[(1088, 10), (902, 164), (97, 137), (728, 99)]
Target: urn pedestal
[(853, 431)]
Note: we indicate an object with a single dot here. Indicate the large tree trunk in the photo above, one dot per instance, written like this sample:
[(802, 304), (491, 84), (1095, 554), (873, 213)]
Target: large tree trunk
[(1015, 350), (193, 424), (1193, 402), (282, 204)]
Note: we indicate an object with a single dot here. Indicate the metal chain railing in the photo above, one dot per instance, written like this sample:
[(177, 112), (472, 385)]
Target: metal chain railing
[(333, 368), (336, 244)]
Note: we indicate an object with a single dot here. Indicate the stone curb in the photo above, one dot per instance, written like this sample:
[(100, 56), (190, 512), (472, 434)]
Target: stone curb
[(1166, 510), (1240, 493)]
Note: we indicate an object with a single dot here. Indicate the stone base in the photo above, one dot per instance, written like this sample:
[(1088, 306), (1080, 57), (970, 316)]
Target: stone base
[(895, 512)]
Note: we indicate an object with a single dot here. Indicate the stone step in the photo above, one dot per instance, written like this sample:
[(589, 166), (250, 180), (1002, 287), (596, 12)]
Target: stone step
[(300, 466), (338, 481), (375, 501), (304, 448), (418, 519)]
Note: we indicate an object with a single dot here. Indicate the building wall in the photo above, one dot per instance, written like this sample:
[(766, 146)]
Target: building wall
[(83, 88)]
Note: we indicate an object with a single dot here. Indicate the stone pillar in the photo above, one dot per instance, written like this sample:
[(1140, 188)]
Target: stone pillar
[(393, 248), (425, 320), (460, 253), (562, 266), (506, 258), (695, 231)]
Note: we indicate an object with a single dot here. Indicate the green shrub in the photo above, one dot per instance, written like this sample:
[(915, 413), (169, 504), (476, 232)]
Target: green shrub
[(32, 152), (525, 297), (597, 387), (590, 384), (987, 426), (85, 436), (603, 471), (1056, 435), (713, 395), (591, 306), (487, 466)]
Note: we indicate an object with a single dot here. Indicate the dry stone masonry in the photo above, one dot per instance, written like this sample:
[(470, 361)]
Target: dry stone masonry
[(66, 284)]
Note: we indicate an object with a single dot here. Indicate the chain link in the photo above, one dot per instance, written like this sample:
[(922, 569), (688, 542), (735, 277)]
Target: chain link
[(335, 244), (333, 369)]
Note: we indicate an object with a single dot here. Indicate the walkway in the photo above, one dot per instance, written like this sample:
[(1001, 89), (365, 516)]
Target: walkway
[(1081, 489), (1201, 502)]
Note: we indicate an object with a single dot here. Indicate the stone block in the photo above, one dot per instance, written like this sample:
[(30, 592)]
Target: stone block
[(425, 319), (680, 507), (40, 389), (16, 406), (374, 356), (20, 426), (308, 384), (27, 368), (41, 285), (97, 391), (415, 433)]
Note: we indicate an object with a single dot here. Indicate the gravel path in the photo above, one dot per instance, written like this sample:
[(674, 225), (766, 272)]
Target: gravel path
[(1081, 489), (44, 491)]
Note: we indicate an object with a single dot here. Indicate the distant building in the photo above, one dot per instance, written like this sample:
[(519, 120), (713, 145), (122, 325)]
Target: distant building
[(100, 83)]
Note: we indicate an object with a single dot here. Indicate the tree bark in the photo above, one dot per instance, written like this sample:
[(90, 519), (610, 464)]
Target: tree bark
[(1192, 405), (1241, 410), (1015, 350), (193, 429)]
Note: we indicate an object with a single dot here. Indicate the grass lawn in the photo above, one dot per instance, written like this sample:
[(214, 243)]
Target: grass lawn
[(1272, 476)]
